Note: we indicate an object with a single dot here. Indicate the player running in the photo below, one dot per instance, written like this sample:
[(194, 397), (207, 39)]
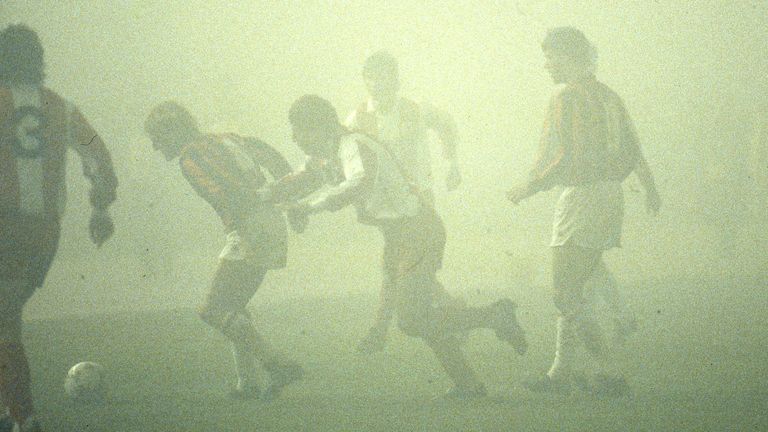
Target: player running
[(404, 126), (352, 169)]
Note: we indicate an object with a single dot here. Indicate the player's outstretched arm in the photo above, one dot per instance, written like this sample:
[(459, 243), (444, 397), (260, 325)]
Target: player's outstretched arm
[(266, 156)]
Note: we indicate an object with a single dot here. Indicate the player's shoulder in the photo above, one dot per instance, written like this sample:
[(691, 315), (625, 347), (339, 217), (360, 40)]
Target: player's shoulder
[(198, 147), (567, 95), (53, 100), (221, 138)]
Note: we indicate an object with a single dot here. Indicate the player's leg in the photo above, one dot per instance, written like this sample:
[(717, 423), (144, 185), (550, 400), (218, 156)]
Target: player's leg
[(571, 267), (15, 379), (415, 311), (376, 338), (233, 286), (27, 248), (607, 289)]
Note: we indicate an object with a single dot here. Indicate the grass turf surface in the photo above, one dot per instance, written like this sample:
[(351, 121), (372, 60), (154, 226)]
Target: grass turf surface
[(693, 367)]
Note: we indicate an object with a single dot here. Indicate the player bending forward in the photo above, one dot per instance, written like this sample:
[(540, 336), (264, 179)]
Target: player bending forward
[(226, 170)]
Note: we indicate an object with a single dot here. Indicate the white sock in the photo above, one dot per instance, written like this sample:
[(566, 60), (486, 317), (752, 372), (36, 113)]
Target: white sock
[(245, 365), (565, 349)]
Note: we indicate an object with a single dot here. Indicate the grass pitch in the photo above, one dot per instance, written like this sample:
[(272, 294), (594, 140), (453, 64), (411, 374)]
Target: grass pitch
[(698, 363)]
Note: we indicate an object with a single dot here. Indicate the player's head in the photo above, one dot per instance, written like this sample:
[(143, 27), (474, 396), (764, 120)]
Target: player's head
[(170, 127), (381, 76), (314, 123), (21, 56), (568, 53)]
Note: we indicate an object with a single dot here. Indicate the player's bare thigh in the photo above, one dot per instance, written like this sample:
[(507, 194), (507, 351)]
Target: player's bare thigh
[(234, 284)]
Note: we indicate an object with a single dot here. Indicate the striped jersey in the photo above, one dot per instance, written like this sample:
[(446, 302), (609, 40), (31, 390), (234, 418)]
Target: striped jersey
[(37, 126), (226, 170), (587, 137)]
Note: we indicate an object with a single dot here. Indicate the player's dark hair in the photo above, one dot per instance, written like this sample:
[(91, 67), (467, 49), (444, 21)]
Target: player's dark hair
[(572, 42), (313, 112), (171, 118), (21, 56), (381, 63)]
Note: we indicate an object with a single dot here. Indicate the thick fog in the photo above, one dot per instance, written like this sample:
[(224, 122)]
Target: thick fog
[(692, 74)]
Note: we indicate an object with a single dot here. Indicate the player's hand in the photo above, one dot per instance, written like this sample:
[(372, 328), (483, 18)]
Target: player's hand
[(100, 227), (519, 193), (453, 178), (652, 202)]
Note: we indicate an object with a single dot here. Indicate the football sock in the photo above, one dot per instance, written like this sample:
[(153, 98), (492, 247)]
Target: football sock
[(245, 365), (15, 380), (565, 349)]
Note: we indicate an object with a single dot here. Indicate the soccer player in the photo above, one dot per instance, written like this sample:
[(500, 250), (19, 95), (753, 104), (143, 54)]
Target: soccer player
[(227, 171), (588, 147), (403, 125), (357, 170), (37, 127)]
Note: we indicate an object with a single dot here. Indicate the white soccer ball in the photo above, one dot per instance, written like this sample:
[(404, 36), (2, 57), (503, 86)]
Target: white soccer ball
[(86, 382)]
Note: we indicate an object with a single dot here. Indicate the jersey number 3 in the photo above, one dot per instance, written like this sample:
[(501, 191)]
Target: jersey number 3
[(28, 140)]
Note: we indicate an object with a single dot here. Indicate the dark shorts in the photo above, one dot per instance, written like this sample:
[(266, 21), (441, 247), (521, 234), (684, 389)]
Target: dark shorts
[(413, 244), (27, 247)]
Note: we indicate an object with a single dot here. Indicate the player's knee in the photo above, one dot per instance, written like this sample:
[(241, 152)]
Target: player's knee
[(215, 317), (235, 325)]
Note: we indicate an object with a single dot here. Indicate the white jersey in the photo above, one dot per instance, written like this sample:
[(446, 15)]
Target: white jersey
[(390, 196), (404, 130)]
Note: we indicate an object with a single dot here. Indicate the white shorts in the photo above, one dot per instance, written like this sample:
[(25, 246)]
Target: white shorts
[(264, 241), (589, 216)]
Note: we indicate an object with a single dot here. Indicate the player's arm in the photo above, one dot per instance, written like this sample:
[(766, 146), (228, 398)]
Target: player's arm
[(645, 176), (445, 127), (358, 166), (278, 167), (642, 170), (98, 169), (553, 154), (298, 184), (266, 156)]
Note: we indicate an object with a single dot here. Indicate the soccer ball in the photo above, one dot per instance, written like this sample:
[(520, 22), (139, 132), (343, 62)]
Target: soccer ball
[(85, 382)]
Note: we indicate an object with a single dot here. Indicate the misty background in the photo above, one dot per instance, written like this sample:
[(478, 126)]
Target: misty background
[(691, 74)]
